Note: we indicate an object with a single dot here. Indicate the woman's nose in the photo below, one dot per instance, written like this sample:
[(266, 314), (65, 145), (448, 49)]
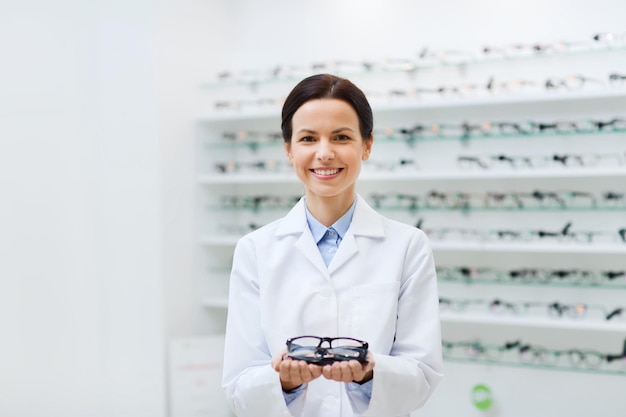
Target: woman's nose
[(325, 151)]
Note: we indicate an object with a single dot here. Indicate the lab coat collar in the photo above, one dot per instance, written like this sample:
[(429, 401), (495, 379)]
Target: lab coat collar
[(366, 222)]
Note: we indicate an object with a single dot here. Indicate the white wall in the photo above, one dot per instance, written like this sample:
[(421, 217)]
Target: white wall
[(81, 303), (194, 41), (283, 31)]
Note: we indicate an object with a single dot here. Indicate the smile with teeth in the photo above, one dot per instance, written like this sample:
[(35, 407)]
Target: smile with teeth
[(326, 172)]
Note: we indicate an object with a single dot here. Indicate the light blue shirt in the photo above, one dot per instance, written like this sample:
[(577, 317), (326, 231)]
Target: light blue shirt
[(328, 240)]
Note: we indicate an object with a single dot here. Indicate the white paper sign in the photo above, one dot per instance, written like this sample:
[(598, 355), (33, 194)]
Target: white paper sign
[(195, 378)]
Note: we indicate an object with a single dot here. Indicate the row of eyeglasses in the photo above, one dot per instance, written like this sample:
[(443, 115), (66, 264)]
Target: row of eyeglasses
[(460, 130), (583, 160), (613, 80), (522, 353), (453, 200), (427, 56), (565, 235), (528, 275), (519, 200), (526, 308)]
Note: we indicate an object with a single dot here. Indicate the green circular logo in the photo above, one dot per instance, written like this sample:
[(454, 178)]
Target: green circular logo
[(481, 397)]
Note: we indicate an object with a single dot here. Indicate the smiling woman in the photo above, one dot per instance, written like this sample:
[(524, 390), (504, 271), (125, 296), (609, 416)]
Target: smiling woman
[(326, 150), (335, 270)]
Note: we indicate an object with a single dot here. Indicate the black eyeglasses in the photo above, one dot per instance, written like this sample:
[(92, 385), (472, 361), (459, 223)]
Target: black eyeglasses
[(326, 350), (521, 276), (616, 79)]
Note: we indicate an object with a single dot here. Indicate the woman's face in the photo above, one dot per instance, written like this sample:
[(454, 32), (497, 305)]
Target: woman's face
[(326, 148)]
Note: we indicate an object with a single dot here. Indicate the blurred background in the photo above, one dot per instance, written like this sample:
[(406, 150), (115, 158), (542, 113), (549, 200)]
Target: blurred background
[(103, 105)]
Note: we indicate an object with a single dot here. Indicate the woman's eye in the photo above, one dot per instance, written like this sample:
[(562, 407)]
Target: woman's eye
[(307, 139), (343, 137)]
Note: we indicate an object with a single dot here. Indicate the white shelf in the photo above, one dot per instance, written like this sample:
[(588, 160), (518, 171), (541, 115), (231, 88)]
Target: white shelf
[(512, 247), (212, 179), (469, 175), (537, 322), (502, 100), (502, 247), (451, 102), (490, 319)]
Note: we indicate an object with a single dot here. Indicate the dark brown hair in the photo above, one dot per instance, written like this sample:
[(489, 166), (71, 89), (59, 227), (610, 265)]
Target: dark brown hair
[(327, 86)]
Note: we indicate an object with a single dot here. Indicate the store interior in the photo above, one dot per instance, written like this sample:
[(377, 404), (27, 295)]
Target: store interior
[(138, 143)]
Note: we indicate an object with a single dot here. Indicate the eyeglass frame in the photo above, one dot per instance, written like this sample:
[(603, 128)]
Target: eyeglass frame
[(321, 352)]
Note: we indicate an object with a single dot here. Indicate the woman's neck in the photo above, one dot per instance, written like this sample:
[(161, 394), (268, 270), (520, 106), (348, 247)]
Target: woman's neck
[(327, 210)]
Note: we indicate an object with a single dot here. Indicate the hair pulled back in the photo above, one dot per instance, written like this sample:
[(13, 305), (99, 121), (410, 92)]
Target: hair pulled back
[(327, 86)]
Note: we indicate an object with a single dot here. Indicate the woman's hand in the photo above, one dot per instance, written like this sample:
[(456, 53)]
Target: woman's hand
[(350, 371), (294, 373)]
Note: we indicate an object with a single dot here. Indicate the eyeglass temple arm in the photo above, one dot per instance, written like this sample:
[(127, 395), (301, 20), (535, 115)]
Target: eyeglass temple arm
[(611, 358)]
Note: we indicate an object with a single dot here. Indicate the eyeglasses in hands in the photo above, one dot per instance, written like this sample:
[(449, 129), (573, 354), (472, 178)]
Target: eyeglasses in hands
[(326, 350)]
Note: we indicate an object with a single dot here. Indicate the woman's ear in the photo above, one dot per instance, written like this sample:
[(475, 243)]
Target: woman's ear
[(367, 145), (287, 147)]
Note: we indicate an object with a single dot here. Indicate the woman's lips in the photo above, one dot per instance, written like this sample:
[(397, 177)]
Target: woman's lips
[(326, 172)]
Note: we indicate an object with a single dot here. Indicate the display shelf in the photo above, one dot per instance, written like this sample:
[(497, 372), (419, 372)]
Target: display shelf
[(440, 209), (487, 362), (398, 67), (383, 138), (522, 283), (245, 140), (231, 240), (417, 176), (286, 178), (535, 322), (499, 247), (382, 106)]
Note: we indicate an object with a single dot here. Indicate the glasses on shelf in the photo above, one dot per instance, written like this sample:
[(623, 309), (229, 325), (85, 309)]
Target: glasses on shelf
[(258, 202), (326, 350), (540, 161), (484, 129), (391, 165), (525, 276), (609, 38), (573, 82), (560, 236), (617, 80), (242, 167), (499, 306), (252, 138), (498, 200), (518, 352), (239, 104)]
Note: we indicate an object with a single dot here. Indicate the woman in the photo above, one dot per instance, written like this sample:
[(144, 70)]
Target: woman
[(332, 267)]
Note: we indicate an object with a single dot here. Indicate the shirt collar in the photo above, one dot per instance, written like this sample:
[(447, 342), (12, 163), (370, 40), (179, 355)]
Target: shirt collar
[(340, 226)]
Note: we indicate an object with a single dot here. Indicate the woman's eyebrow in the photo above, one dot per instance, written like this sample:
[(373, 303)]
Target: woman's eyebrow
[(306, 131), (340, 129)]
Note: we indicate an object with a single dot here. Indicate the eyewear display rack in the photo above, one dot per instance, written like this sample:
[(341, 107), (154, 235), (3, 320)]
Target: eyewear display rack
[(515, 168)]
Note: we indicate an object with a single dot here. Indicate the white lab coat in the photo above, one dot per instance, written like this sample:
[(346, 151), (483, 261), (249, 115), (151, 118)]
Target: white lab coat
[(380, 287)]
